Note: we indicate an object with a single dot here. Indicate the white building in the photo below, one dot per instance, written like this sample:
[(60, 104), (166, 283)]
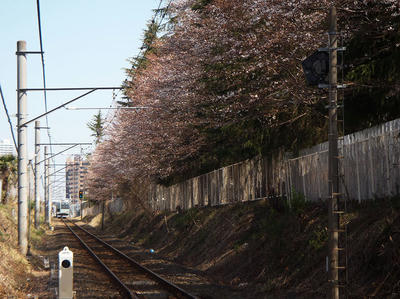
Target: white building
[(6, 147), (76, 170)]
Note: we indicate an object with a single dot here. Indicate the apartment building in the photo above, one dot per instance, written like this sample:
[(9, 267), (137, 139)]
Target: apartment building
[(6, 147), (75, 172)]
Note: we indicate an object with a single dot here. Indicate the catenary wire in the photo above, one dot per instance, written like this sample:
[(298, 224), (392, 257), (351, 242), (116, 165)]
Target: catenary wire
[(8, 117), (43, 69), (157, 11), (136, 58), (43, 73)]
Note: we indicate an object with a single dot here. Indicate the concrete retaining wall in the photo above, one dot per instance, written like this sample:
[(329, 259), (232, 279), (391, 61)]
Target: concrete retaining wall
[(112, 206)]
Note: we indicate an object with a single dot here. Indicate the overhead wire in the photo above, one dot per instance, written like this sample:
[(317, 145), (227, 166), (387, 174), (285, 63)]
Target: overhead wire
[(43, 73), (165, 12), (43, 69), (141, 52), (109, 122), (8, 118), (42, 59)]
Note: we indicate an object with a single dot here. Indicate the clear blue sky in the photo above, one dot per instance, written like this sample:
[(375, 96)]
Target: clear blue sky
[(86, 43)]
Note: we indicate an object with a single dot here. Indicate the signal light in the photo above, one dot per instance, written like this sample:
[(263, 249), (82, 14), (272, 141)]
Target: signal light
[(80, 194), (316, 68)]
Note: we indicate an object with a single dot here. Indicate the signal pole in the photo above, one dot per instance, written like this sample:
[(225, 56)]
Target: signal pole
[(22, 149), (333, 180)]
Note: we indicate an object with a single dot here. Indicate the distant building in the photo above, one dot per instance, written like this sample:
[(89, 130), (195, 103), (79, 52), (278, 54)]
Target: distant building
[(6, 147), (76, 173)]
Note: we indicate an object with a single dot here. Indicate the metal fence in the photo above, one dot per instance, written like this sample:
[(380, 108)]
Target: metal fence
[(370, 168)]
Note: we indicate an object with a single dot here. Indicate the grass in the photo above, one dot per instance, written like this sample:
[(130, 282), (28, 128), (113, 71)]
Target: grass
[(185, 219), (37, 234), (288, 244), (14, 267), (297, 203), (319, 238)]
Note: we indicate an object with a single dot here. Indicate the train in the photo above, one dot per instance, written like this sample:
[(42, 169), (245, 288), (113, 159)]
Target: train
[(61, 209)]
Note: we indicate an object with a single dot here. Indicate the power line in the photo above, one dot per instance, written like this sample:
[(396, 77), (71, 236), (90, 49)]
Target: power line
[(43, 69), (164, 12), (136, 58), (142, 47), (42, 56), (159, 4), (156, 12), (9, 119)]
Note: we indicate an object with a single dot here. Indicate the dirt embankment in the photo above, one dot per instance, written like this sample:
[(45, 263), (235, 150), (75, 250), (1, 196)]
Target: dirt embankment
[(19, 278), (272, 251)]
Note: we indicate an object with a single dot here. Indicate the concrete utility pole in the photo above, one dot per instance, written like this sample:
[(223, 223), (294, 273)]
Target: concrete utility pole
[(49, 191), (29, 205), (46, 186), (333, 181), (22, 149), (36, 177)]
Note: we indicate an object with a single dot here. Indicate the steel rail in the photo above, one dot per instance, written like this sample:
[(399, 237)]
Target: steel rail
[(177, 291), (124, 288)]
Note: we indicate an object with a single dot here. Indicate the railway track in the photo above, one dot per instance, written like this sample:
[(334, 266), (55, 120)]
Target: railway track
[(132, 279)]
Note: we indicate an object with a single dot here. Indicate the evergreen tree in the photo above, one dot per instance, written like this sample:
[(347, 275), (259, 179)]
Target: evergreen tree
[(97, 127)]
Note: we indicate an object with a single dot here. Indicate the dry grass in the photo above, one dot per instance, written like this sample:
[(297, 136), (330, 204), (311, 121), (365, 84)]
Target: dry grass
[(275, 252), (13, 266), (16, 273), (95, 221)]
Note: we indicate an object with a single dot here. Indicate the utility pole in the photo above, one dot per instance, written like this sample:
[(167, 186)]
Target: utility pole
[(49, 191), (46, 186), (36, 176), (29, 206), (22, 148), (333, 181), (22, 123)]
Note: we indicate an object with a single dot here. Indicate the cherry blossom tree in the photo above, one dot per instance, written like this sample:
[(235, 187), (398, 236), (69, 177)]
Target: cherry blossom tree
[(224, 64)]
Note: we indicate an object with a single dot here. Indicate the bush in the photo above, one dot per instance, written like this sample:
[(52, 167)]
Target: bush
[(296, 203)]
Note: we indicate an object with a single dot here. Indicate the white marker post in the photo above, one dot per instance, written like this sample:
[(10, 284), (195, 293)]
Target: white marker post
[(65, 274)]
